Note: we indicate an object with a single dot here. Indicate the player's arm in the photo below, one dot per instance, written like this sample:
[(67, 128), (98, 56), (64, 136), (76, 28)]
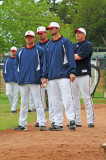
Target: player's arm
[(77, 57)]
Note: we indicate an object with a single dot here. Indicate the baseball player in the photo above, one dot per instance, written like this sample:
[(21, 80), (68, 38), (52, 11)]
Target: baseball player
[(29, 66), (61, 70), (82, 52), (44, 41), (12, 87)]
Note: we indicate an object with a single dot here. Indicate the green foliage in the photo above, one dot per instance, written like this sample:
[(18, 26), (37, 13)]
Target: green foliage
[(91, 15), (18, 16), (66, 10)]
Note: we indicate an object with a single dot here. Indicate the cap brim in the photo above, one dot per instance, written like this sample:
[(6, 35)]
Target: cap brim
[(13, 50), (30, 35), (40, 32), (50, 27), (75, 31)]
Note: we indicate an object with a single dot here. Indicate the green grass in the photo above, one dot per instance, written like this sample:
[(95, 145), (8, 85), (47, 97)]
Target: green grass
[(9, 120)]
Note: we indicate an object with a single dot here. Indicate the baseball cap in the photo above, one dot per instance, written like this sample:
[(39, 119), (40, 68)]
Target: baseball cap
[(30, 33), (13, 48), (41, 29), (80, 30), (52, 25)]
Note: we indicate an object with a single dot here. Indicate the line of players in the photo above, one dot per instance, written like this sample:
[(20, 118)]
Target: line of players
[(65, 70)]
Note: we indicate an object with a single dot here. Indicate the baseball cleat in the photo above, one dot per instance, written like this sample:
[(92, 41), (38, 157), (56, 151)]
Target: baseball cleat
[(30, 110), (36, 125), (43, 128), (51, 125), (72, 125), (56, 128), (20, 128), (90, 125), (14, 111)]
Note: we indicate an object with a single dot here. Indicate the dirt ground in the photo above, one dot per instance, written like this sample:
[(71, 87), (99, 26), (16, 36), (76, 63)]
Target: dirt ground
[(82, 144)]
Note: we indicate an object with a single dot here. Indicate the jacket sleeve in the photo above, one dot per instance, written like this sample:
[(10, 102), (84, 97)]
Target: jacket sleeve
[(5, 69), (70, 56), (43, 64)]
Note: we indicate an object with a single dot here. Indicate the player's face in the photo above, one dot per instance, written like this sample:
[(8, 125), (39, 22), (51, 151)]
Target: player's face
[(13, 53), (53, 31), (29, 39), (80, 36), (42, 36)]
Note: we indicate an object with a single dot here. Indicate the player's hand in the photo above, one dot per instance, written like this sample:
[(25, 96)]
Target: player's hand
[(44, 83), (72, 77)]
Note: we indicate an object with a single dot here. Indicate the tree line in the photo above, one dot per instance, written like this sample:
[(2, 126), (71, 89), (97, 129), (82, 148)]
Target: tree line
[(18, 16)]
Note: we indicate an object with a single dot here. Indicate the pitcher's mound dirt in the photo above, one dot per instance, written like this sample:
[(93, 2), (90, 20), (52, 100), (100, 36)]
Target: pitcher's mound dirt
[(82, 144)]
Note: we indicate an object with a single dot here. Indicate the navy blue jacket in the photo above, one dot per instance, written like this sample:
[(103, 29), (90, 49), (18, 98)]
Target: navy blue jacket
[(60, 59), (8, 70), (29, 65), (84, 50)]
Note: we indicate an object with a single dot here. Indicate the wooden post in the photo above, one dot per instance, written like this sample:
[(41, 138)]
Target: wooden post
[(104, 147)]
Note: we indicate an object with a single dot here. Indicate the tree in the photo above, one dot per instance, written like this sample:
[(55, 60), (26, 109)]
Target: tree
[(65, 10), (18, 16), (91, 15)]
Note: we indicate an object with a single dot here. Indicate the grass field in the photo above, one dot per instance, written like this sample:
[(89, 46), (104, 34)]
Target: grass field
[(9, 120)]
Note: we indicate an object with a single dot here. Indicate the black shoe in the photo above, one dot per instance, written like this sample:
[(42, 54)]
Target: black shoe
[(20, 128), (14, 111), (56, 128), (46, 109), (78, 125), (51, 125), (90, 125), (34, 110), (36, 125), (72, 125), (43, 128), (30, 110)]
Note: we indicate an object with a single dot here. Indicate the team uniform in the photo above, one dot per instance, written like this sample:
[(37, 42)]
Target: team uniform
[(83, 80), (12, 87), (29, 66), (61, 64), (51, 113)]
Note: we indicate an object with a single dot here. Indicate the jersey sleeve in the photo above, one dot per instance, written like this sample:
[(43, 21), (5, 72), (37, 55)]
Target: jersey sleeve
[(85, 51)]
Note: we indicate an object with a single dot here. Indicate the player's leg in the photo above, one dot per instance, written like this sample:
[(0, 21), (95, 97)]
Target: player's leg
[(31, 102), (57, 104), (24, 105), (51, 113), (76, 97), (84, 83), (9, 92), (37, 96), (15, 96), (66, 92)]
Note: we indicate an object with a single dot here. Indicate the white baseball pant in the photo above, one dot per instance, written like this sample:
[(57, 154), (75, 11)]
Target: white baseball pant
[(31, 102), (36, 93), (61, 95), (51, 112), (82, 84), (12, 91)]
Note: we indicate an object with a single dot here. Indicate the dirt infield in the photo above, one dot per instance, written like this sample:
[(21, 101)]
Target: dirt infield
[(82, 144)]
